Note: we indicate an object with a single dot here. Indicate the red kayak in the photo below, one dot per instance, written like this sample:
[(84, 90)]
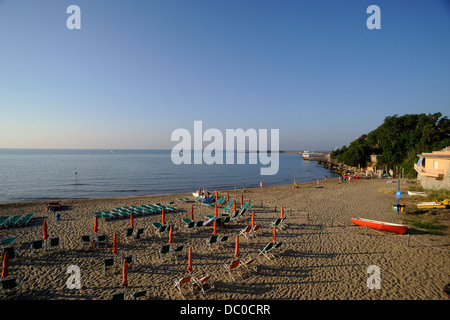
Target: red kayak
[(380, 225)]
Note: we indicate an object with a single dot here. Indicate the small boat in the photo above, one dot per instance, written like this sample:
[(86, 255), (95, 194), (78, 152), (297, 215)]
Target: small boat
[(380, 225), (432, 205), (417, 193)]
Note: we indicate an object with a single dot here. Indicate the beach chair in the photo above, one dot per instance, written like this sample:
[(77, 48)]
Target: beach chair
[(190, 227), (85, 242), (24, 220), (128, 234), (11, 288), (198, 225), (178, 252), (36, 246), (13, 253), (224, 220), (53, 243), (131, 261), (101, 240), (108, 264), (222, 241), (118, 296), (249, 265), (138, 233), (212, 241), (277, 248), (205, 283), (276, 223), (246, 232), (138, 294), (164, 251), (185, 286), (282, 224), (234, 269), (266, 251), (254, 230)]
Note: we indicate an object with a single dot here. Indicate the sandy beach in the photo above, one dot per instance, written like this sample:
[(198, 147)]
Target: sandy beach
[(325, 256)]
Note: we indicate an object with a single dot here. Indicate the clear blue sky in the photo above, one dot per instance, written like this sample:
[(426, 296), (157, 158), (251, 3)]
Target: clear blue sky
[(137, 70)]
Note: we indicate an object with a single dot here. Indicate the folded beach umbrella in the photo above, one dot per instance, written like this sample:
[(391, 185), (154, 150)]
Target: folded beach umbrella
[(170, 234), (228, 197), (215, 227), (96, 224), (282, 213), (242, 199), (215, 210), (163, 216), (189, 268), (217, 195), (274, 234), (131, 220), (114, 244), (234, 204), (236, 249), (44, 230), (192, 212), (253, 218), (5, 265), (125, 274)]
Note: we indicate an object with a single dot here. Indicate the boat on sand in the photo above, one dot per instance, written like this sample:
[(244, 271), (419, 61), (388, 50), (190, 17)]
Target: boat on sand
[(380, 225)]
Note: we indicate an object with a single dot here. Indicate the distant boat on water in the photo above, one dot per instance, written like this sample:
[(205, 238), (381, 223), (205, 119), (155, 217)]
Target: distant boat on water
[(309, 154)]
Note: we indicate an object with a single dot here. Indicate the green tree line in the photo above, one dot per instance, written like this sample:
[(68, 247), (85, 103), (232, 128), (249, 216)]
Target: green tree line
[(398, 141)]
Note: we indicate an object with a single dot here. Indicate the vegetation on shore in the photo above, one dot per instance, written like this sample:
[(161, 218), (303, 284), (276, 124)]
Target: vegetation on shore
[(398, 141)]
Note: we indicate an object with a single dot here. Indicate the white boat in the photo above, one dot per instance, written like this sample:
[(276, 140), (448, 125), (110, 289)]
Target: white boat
[(417, 193)]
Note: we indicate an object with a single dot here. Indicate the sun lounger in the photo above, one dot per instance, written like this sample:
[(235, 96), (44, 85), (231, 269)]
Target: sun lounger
[(234, 269), (3, 220), (11, 288), (185, 286), (254, 230), (212, 241), (8, 241), (13, 221), (24, 220)]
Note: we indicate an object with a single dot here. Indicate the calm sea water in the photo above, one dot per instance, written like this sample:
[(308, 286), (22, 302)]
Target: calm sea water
[(36, 174)]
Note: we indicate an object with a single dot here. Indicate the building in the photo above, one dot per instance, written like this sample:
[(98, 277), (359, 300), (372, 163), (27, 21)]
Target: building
[(433, 169)]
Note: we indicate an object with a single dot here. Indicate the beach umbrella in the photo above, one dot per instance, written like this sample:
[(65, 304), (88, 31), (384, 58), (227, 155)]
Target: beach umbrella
[(125, 274), (163, 216), (44, 230), (189, 268), (215, 210), (228, 197), (253, 218), (170, 234), (192, 212), (242, 199), (207, 193), (5, 265), (96, 224), (274, 234), (282, 213), (234, 204), (236, 249), (215, 226), (131, 220), (114, 244), (217, 195), (199, 191)]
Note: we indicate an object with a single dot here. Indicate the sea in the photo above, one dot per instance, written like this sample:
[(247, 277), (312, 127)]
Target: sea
[(58, 174)]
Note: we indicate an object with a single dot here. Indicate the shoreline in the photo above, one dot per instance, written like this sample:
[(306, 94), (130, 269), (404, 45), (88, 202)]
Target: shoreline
[(325, 256)]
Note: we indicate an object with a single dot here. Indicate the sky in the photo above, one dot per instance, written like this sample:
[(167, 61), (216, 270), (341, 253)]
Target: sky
[(138, 70)]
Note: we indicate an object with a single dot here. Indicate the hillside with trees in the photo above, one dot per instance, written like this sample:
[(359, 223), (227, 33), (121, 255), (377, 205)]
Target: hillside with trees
[(398, 141)]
